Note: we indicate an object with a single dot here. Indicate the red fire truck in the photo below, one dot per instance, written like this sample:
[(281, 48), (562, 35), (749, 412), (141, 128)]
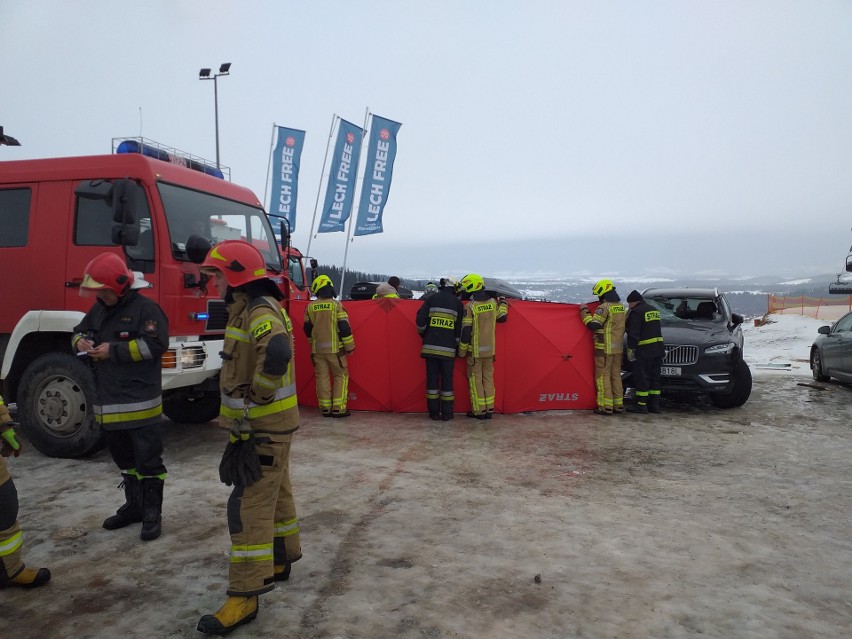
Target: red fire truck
[(56, 215)]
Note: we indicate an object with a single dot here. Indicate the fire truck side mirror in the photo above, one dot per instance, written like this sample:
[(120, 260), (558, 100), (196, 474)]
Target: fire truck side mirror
[(285, 234), (121, 198), (124, 235), (314, 263), (849, 263)]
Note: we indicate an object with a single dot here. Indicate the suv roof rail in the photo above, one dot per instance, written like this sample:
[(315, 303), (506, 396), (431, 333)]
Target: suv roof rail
[(153, 149)]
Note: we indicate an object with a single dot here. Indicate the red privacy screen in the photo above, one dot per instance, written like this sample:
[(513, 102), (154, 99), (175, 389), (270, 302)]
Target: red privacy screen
[(545, 359)]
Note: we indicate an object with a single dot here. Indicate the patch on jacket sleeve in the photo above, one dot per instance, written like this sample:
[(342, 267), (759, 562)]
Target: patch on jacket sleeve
[(151, 326), (261, 329)]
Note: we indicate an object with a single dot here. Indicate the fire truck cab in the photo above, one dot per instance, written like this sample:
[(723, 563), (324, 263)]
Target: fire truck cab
[(55, 216)]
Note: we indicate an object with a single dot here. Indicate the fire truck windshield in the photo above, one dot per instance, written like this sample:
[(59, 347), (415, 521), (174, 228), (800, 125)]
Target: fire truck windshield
[(190, 212)]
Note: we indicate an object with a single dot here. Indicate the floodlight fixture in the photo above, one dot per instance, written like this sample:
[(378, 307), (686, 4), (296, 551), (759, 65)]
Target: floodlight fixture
[(205, 74)]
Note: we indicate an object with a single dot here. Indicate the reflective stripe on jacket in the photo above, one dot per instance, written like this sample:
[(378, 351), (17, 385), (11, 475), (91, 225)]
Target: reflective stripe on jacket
[(257, 368), (607, 322), (439, 322), (129, 383), (327, 327), (479, 324)]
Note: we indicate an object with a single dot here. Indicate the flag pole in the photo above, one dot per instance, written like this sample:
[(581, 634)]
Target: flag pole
[(269, 167), (354, 202), (311, 236)]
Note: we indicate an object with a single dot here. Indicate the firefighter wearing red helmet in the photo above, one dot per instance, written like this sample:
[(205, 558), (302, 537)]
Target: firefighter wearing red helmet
[(123, 337), (608, 324), (258, 390), (12, 569)]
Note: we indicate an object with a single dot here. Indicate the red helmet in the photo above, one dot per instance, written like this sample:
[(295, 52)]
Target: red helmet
[(106, 271), (239, 261)]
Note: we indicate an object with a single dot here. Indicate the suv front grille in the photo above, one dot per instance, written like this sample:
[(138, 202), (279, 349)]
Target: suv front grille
[(680, 355), (217, 316)]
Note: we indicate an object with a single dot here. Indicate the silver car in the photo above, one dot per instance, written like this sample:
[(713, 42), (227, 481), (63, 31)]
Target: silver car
[(831, 353)]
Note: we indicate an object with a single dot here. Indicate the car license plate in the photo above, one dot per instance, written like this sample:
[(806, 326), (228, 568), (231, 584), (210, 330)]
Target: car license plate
[(670, 371)]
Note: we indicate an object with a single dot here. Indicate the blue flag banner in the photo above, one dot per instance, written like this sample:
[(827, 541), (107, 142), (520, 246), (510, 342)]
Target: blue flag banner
[(340, 192), (286, 159), (381, 152)]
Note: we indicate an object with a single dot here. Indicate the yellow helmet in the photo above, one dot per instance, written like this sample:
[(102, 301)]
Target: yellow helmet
[(472, 282), (321, 282), (602, 287)]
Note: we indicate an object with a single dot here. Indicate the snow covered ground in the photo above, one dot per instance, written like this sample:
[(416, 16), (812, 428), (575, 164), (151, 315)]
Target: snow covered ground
[(783, 339)]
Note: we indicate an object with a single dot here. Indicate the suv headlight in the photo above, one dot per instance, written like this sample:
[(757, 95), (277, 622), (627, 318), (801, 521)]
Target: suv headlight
[(719, 349)]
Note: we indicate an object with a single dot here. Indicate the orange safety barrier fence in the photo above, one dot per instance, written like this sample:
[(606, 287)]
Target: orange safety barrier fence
[(826, 308), (545, 359)]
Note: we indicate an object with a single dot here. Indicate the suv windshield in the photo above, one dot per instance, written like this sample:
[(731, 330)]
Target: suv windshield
[(190, 212), (683, 309)]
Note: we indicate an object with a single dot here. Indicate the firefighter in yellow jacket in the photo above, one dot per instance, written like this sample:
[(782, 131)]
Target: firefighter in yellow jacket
[(607, 323), (12, 569), (327, 327), (478, 343), (257, 390)]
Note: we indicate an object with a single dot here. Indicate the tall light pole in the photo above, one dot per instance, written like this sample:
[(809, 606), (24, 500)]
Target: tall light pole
[(204, 74)]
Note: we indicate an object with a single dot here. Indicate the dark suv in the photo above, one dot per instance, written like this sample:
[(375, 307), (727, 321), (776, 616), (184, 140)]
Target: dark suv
[(704, 345)]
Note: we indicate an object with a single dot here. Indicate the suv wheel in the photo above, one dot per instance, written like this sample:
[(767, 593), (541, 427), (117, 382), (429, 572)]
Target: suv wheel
[(816, 367), (741, 392)]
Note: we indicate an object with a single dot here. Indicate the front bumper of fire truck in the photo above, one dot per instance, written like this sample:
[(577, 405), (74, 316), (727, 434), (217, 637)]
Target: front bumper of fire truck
[(190, 363)]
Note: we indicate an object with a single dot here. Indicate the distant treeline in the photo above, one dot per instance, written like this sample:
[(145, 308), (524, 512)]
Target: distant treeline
[(353, 277)]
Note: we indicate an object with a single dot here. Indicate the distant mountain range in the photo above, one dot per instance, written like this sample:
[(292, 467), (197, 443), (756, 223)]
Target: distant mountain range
[(747, 295)]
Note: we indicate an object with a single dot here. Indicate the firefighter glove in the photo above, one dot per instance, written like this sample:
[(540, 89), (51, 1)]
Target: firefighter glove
[(11, 445), (631, 354), (240, 465)]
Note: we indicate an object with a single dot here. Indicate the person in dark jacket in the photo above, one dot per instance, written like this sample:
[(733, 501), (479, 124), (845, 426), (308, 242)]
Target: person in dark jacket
[(124, 336), (439, 322), (646, 350)]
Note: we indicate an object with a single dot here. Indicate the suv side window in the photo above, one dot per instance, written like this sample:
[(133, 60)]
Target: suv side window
[(844, 325), (15, 216)]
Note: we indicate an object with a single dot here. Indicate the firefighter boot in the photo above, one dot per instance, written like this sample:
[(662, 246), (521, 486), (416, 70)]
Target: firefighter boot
[(28, 578), (282, 573), (236, 612), (131, 511), (152, 508), (640, 409), (434, 407), (654, 404), (447, 410)]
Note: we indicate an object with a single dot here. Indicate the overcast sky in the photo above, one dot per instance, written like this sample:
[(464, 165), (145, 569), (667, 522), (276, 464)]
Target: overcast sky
[(698, 136)]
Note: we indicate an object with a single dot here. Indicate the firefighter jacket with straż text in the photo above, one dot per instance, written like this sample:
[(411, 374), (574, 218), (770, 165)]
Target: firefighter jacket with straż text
[(257, 373), (607, 323), (129, 383), (439, 322), (327, 327), (479, 324), (644, 331)]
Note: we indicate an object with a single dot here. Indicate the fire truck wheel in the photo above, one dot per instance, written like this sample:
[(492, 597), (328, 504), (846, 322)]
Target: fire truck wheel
[(54, 406), (188, 407)]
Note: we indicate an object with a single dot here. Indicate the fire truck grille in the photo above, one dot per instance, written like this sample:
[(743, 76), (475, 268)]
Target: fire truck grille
[(217, 316), (680, 355)]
